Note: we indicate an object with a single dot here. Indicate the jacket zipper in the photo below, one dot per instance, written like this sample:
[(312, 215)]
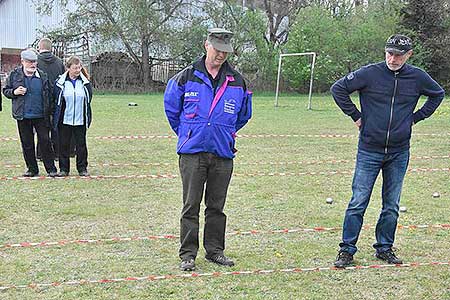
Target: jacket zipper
[(392, 113), (74, 100)]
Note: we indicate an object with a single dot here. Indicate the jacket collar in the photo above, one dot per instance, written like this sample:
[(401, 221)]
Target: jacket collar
[(63, 77), (35, 74), (404, 68), (200, 66)]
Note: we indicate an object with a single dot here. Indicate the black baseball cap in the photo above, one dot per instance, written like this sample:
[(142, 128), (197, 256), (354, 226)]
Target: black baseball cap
[(399, 44)]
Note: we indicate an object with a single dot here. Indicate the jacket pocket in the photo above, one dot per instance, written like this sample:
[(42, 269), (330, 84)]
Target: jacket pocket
[(402, 133), (190, 109), (182, 141)]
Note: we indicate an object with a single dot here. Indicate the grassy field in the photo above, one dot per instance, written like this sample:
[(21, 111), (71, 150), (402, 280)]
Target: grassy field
[(56, 209)]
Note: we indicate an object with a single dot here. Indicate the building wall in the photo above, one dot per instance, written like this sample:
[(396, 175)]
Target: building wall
[(20, 23), (9, 58)]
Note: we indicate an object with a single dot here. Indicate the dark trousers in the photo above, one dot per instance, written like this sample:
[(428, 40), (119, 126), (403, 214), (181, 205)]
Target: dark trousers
[(26, 134), (65, 133), (54, 143), (196, 171)]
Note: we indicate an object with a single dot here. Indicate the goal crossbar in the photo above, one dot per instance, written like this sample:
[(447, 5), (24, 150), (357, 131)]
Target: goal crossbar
[(310, 81)]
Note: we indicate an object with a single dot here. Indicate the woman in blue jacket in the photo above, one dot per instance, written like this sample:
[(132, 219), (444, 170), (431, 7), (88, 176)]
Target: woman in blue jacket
[(73, 115)]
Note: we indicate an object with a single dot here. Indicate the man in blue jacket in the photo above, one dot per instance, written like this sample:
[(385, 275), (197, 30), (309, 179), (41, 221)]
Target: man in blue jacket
[(206, 104), (388, 94)]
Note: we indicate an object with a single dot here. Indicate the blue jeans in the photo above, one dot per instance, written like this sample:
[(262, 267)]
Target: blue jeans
[(368, 165)]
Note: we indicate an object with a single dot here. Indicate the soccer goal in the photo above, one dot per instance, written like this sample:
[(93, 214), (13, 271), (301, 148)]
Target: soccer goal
[(310, 81)]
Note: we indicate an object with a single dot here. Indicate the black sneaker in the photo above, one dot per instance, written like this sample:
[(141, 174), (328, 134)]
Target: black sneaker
[(84, 173), (187, 264), (344, 259), (389, 257), (52, 173), (221, 259), (63, 174), (30, 174)]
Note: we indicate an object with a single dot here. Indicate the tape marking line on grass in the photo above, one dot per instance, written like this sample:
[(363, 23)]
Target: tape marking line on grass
[(233, 233), (255, 163), (265, 136), (215, 274), (171, 176)]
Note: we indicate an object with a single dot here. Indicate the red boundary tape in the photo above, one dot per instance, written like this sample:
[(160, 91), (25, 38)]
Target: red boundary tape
[(234, 233), (256, 163), (214, 274), (143, 137), (259, 174)]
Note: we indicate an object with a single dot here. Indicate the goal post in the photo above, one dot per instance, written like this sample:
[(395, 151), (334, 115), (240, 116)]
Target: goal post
[(310, 81)]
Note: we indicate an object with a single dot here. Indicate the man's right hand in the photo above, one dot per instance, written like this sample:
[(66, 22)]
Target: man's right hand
[(20, 91), (358, 123)]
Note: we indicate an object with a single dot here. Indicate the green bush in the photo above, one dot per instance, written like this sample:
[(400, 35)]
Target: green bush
[(342, 42)]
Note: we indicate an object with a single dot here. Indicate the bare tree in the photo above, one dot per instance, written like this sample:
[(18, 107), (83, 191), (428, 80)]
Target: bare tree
[(280, 15), (141, 26)]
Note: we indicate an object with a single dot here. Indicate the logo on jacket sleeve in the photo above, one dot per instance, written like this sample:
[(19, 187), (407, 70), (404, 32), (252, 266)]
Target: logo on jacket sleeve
[(351, 76), (229, 106)]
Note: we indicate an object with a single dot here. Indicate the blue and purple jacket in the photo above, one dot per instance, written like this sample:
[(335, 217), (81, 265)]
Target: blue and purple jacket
[(207, 119)]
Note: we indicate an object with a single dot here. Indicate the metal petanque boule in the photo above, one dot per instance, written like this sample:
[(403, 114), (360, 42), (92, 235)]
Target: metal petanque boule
[(132, 104), (436, 195), (403, 209), (329, 200)]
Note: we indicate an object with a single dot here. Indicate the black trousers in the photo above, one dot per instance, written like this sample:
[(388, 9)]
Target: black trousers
[(55, 144), (26, 134), (65, 133), (196, 171)]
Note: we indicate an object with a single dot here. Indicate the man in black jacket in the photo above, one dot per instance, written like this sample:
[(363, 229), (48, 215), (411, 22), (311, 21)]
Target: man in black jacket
[(32, 106), (53, 66), (388, 94)]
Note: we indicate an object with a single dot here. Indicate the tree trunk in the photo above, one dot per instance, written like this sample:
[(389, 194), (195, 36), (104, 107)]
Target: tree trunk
[(145, 64)]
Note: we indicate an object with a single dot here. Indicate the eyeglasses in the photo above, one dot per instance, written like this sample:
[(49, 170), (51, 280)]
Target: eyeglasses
[(30, 61)]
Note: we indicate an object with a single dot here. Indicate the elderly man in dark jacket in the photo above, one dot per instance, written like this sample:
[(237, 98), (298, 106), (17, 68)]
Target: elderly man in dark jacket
[(32, 105), (388, 94)]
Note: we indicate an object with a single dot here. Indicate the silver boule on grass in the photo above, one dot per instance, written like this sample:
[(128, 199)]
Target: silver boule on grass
[(436, 195), (403, 209), (329, 200)]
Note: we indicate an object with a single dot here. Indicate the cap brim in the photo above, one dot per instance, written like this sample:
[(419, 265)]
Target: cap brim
[(396, 51), (222, 46)]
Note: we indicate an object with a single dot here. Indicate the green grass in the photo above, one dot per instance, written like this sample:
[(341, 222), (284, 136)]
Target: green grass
[(52, 210)]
